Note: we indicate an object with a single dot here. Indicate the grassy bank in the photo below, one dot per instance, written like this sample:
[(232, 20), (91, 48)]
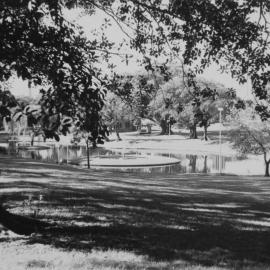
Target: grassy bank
[(115, 220), (179, 142)]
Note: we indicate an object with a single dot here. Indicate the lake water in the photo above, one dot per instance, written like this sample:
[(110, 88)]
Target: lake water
[(187, 163)]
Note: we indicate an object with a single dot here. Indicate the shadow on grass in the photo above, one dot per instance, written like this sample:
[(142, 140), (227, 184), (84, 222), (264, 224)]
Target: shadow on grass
[(210, 220), (209, 245)]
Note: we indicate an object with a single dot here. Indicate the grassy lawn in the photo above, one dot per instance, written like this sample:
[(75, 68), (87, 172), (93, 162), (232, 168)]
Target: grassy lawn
[(109, 220), (179, 142)]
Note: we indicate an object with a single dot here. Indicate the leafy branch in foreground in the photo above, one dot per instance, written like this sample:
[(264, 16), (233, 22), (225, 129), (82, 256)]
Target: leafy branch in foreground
[(39, 44), (233, 34)]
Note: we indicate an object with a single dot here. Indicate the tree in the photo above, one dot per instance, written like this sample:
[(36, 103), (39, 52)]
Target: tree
[(193, 102), (116, 111), (135, 94), (37, 122), (39, 44), (251, 135), (142, 96), (211, 97), (188, 118), (239, 46), (233, 34), (7, 103)]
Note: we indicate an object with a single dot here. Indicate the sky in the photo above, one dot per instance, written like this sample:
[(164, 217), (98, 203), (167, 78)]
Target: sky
[(115, 34)]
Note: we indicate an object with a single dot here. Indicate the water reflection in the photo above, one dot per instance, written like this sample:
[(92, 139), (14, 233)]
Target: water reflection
[(74, 155)]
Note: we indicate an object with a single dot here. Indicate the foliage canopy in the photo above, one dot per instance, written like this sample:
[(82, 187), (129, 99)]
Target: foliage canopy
[(39, 44)]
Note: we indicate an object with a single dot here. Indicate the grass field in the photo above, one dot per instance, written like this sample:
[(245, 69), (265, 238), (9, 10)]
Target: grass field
[(109, 220)]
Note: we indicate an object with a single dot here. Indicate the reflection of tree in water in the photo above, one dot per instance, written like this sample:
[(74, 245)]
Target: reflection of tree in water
[(192, 162), (59, 153), (195, 167), (33, 155), (168, 169), (101, 151), (72, 152), (176, 168), (49, 155), (62, 152), (205, 169), (54, 154), (66, 152)]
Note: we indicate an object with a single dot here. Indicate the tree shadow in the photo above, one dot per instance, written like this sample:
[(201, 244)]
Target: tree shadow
[(210, 220), (209, 245)]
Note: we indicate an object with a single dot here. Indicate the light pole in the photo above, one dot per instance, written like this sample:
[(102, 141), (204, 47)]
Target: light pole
[(67, 153), (220, 111)]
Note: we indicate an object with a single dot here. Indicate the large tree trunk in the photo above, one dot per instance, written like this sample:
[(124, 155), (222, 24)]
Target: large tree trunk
[(149, 129), (170, 130), (267, 174), (117, 133), (193, 163), (94, 144), (33, 139), (193, 132), (205, 165), (205, 137), (164, 128)]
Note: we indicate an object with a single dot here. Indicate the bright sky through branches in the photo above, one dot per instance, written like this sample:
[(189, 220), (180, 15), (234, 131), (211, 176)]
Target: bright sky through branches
[(116, 35)]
